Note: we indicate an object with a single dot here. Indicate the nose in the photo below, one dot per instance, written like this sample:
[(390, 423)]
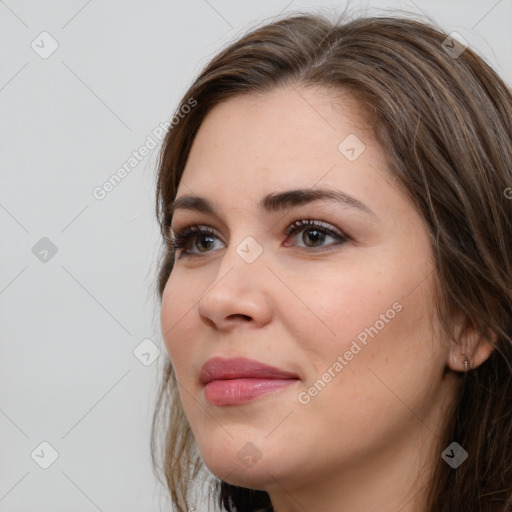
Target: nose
[(239, 294)]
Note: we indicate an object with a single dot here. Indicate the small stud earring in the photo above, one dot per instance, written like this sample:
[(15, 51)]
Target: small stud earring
[(466, 362)]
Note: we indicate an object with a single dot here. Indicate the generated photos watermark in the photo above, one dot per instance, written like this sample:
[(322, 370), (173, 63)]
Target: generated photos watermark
[(158, 133), (305, 397)]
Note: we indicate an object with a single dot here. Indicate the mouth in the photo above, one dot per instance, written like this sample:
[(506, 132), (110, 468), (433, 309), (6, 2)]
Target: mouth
[(240, 391), (234, 381)]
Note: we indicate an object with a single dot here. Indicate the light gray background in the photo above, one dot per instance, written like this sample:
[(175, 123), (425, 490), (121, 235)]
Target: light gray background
[(69, 326)]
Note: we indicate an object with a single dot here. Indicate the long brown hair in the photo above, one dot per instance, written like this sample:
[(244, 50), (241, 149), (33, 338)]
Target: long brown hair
[(445, 123)]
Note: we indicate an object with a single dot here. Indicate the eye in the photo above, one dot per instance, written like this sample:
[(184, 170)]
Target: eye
[(315, 232), (202, 238), (183, 238)]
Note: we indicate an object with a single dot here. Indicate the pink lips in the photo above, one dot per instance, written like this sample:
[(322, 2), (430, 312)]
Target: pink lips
[(233, 381)]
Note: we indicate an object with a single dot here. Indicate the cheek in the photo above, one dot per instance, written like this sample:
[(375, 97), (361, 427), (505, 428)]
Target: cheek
[(175, 320), (394, 351), (335, 304), (376, 312)]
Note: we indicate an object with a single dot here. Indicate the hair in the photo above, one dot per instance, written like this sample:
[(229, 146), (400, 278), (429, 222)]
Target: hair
[(445, 125)]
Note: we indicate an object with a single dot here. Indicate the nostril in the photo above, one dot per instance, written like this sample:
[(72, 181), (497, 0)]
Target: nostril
[(238, 315)]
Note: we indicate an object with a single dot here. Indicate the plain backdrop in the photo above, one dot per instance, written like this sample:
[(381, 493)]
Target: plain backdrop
[(82, 86)]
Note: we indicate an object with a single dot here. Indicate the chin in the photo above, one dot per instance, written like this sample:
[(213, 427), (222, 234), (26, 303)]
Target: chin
[(243, 463)]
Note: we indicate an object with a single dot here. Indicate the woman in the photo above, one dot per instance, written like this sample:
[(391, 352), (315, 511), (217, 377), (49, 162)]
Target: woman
[(336, 285)]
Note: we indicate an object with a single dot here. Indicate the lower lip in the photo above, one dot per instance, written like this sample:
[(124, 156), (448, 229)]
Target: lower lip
[(239, 391)]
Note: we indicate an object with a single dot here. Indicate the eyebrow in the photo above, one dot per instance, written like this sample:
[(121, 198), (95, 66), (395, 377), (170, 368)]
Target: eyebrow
[(273, 202)]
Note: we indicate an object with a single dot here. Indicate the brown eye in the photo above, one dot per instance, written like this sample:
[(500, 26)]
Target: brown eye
[(197, 240), (201, 239), (314, 233), (189, 236), (318, 236)]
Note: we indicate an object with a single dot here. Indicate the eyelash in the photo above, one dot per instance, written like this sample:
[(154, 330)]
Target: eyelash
[(182, 238)]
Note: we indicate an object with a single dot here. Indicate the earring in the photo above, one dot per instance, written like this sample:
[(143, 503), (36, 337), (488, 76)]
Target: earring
[(466, 363)]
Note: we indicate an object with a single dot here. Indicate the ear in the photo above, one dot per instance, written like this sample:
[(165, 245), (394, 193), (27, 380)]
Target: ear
[(472, 345)]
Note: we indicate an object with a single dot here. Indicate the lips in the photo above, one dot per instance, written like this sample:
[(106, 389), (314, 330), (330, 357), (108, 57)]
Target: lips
[(219, 368), (236, 381)]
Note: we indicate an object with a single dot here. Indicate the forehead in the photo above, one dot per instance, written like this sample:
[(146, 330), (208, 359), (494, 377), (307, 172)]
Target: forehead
[(252, 147), (291, 132)]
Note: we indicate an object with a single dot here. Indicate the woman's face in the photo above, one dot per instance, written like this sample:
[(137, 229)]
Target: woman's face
[(349, 319)]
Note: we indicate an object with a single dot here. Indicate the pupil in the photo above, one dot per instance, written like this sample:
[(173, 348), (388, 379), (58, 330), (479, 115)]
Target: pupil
[(206, 238), (316, 238)]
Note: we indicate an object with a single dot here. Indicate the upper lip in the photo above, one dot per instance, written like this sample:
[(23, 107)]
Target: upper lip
[(239, 367)]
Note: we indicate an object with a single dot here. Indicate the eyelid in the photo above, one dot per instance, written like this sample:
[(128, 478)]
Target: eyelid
[(312, 223), (305, 220)]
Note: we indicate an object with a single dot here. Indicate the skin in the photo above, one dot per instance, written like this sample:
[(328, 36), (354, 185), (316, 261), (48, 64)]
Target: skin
[(368, 439)]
